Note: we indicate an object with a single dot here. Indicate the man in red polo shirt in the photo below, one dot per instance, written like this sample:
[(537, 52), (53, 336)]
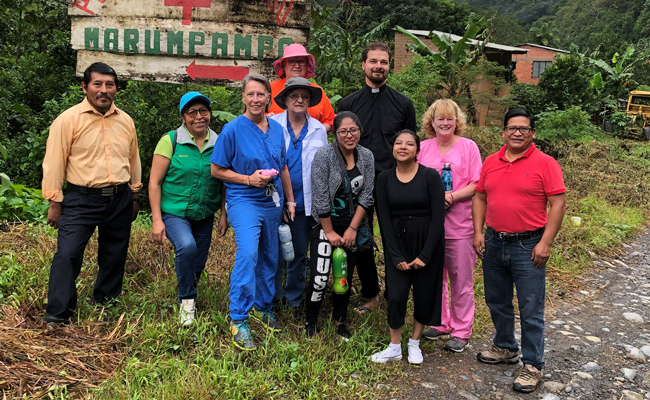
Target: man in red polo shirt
[(515, 186)]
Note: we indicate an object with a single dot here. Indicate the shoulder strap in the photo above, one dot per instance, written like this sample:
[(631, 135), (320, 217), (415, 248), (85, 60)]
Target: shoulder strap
[(344, 176)]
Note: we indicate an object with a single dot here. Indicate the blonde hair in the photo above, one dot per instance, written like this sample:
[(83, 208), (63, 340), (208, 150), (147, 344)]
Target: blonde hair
[(447, 108)]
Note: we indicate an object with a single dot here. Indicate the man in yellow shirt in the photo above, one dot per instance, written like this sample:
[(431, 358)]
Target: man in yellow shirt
[(94, 148)]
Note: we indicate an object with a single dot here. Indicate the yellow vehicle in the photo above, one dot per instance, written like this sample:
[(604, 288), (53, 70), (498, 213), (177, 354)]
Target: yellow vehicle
[(638, 107)]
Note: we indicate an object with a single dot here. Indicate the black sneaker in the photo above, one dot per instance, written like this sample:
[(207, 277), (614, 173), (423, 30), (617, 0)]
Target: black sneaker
[(434, 334), (343, 332), (241, 335), (310, 330), (456, 344)]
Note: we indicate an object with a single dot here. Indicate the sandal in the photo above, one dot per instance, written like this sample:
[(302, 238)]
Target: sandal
[(362, 310)]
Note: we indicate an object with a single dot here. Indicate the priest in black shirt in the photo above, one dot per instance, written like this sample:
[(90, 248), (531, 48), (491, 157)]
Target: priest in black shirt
[(383, 112)]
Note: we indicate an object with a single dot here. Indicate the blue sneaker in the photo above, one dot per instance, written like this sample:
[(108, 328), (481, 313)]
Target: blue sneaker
[(267, 319), (241, 335)]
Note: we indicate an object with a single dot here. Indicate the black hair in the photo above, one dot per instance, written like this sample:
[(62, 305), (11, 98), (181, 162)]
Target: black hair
[(519, 112), (100, 68), (410, 132), (195, 101), (381, 46), (338, 120)]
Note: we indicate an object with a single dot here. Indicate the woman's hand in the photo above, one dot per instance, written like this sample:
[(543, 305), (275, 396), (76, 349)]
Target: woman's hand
[(291, 211), (158, 232), (259, 180), (417, 264), (403, 266), (334, 239), (349, 238), (222, 225), (449, 199)]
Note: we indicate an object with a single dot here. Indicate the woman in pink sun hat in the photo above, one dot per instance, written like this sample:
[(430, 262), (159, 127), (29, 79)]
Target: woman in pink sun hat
[(296, 62)]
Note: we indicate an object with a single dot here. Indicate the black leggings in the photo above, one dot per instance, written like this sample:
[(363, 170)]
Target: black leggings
[(321, 264)]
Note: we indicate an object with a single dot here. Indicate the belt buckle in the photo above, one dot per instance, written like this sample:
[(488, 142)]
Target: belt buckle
[(108, 191)]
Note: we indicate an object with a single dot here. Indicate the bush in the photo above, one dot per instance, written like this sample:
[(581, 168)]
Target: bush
[(528, 96), (572, 123), (567, 83)]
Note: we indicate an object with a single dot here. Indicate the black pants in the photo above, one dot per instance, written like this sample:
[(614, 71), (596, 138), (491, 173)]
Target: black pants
[(320, 265), (366, 266), (81, 214)]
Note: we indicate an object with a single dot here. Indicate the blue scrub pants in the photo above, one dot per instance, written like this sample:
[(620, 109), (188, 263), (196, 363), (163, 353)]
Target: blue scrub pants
[(252, 281)]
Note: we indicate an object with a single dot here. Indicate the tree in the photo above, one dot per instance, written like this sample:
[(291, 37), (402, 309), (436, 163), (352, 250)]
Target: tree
[(567, 83)]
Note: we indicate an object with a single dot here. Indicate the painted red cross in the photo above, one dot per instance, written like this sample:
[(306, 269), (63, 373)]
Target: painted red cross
[(187, 7), (284, 5)]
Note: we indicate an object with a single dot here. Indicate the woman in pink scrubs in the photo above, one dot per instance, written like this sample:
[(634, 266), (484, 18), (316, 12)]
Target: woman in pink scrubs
[(444, 122)]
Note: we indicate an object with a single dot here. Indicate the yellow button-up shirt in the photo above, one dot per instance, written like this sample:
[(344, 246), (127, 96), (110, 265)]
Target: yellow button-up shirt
[(87, 148)]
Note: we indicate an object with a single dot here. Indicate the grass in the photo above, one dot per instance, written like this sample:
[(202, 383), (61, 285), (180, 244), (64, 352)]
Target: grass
[(607, 183)]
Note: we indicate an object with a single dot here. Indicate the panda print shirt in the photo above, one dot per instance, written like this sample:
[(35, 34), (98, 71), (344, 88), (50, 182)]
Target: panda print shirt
[(340, 214)]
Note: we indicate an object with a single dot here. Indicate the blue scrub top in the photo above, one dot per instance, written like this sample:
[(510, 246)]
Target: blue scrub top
[(294, 162), (244, 148)]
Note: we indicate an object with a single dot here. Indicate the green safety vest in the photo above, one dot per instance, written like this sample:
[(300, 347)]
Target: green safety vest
[(189, 190)]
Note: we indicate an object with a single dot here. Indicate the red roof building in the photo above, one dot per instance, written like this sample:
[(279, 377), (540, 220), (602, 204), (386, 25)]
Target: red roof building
[(531, 64)]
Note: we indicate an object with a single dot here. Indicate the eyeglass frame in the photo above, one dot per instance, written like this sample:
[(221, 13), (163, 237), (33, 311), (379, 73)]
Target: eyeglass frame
[(292, 63), (513, 129), (302, 96), (205, 112), (349, 131)]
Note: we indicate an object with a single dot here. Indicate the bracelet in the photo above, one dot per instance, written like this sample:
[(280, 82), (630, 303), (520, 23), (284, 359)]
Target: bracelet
[(452, 196), (248, 180), (291, 203), (353, 228)]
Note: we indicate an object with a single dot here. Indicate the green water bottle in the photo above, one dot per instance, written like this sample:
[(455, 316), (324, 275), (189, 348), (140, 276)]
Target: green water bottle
[(340, 260)]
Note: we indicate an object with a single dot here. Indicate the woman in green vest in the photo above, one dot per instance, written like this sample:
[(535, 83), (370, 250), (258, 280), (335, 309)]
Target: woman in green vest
[(184, 196)]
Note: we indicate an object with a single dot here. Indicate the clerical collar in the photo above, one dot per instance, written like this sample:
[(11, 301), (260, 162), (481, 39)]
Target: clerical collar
[(374, 90)]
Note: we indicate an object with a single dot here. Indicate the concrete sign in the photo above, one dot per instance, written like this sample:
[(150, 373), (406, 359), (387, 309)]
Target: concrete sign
[(186, 41)]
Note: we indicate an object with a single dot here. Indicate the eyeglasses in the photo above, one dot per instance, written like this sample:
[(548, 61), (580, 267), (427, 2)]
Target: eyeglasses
[(203, 111), (512, 129), (295, 96), (351, 131), (292, 63)]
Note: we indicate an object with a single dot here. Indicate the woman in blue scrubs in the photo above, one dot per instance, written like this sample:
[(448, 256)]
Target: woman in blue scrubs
[(246, 147)]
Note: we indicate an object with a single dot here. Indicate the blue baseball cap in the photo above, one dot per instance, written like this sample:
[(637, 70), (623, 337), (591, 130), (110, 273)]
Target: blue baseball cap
[(189, 96)]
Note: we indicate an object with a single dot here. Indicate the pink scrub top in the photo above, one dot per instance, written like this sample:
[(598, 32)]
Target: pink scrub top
[(465, 160)]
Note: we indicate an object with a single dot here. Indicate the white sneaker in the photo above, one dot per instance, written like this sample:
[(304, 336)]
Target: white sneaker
[(187, 311), (388, 354), (415, 354)]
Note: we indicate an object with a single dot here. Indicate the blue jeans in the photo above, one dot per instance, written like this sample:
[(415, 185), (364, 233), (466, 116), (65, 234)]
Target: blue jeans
[(252, 281), (505, 263), (296, 269), (191, 240)]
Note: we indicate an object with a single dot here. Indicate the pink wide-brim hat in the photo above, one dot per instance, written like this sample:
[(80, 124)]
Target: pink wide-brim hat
[(295, 50)]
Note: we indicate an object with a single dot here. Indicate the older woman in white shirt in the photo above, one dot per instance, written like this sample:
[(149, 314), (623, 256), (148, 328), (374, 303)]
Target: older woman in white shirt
[(303, 136)]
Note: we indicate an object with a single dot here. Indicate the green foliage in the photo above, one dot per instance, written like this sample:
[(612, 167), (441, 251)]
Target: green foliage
[(528, 96), (20, 203), (567, 83), (572, 123)]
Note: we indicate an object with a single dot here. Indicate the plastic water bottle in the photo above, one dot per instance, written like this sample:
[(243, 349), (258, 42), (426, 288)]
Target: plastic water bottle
[(284, 232), (340, 260), (446, 179)]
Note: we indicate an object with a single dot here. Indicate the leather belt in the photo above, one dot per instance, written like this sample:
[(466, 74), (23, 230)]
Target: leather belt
[(513, 237), (105, 191)]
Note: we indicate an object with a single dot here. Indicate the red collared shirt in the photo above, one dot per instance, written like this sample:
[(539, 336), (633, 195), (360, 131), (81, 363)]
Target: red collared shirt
[(517, 192)]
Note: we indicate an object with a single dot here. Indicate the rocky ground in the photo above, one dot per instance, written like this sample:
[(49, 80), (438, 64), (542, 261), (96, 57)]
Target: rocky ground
[(597, 344)]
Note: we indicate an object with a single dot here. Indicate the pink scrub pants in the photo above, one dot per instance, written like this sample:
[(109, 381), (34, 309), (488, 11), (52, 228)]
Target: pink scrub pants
[(458, 309)]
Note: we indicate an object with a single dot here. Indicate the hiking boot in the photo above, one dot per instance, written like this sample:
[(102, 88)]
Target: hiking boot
[(343, 332), (187, 311), (310, 330), (52, 326), (434, 334), (528, 379), (497, 355), (415, 354), (241, 335), (456, 344), (388, 354), (267, 319)]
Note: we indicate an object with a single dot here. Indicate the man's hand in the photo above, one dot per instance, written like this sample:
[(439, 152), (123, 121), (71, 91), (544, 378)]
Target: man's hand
[(54, 213), (479, 244), (158, 232), (136, 210), (403, 266), (540, 255), (259, 180)]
